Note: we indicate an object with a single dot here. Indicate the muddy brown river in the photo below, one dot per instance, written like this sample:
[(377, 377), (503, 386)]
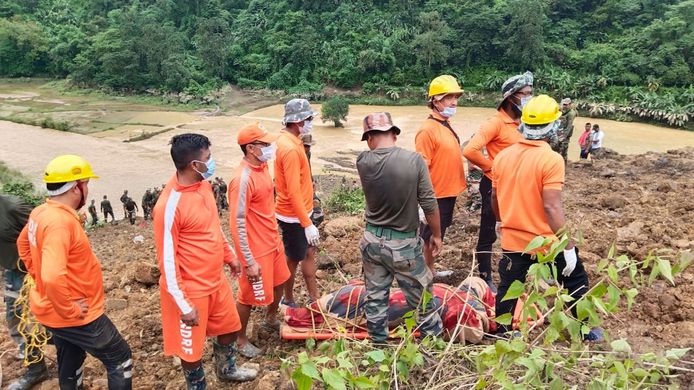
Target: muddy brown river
[(144, 164)]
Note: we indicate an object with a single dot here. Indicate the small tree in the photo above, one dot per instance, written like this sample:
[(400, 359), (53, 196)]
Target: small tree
[(335, 109)]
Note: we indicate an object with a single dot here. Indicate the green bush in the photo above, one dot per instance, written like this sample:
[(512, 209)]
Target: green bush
[(346, 198), (12, 182), (335, 109)]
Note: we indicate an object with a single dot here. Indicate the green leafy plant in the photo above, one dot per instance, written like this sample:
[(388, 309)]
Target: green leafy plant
[(346, 198), (335, 109), (554, 356)]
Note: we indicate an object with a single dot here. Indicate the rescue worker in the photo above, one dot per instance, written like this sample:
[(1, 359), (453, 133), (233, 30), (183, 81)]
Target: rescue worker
[(439, 145), (196, 299), (307, 140), (14, 213), (223, 188), (317, 217), (294, 204), (92, 212), (396, 183), (68, 295), (526, 197), (217, 194), (155, 196), (255, 235), (566, 129), (131, 209), (107, 209), (124, 199), (495, 135), (147, 204)]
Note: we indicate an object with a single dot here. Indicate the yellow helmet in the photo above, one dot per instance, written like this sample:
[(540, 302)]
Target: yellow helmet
[(444, 84), (540, 110), (66, 168)]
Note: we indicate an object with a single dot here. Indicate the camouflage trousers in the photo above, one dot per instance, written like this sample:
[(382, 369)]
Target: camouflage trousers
[(561, 146), (400, 259)]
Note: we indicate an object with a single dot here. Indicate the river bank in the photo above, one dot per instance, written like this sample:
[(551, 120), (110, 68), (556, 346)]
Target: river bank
[(103, 125)]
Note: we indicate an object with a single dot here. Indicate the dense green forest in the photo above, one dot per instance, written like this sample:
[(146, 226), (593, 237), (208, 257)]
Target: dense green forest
[(618, 51)]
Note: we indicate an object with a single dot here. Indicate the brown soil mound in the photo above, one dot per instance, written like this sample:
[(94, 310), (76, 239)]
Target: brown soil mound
[(640, 203)]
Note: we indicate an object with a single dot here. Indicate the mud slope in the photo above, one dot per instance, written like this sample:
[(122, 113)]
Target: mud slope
[(641, 203)]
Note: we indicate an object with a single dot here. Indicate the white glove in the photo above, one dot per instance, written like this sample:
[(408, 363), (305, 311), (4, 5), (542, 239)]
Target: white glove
[(422, 217), (497, 229), (312, 235), (571, 259)]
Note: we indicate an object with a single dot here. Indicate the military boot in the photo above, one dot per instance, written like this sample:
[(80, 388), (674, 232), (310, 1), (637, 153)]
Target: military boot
[(36, 373), (195, 378), (225, 362)]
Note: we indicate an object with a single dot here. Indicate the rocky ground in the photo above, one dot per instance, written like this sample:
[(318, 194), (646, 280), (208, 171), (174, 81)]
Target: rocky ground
[(640, 203)]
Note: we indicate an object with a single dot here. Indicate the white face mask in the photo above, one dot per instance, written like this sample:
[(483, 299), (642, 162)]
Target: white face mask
[(307, 128), (524, 101), (448, 112), (268, 153)]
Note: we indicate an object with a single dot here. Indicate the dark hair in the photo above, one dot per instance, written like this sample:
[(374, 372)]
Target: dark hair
[(376, 133), (187, 147), (54, 186), (588, 123), (243, 149), (104, 196), (596, 126)]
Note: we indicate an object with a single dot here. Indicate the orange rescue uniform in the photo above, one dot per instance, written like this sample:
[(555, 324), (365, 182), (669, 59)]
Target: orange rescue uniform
[(520, 173), (440, 148), (57, 254), (293, 181), (192, 251), (496, 134), (254, 232)]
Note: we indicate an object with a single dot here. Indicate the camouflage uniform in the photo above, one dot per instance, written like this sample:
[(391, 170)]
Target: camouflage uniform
[(560, 143), (401, 259), (147, 204), (396, 182)]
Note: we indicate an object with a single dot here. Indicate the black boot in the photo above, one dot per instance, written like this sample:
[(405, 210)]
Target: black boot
[(225, 362), (195, 378), (36, 373)]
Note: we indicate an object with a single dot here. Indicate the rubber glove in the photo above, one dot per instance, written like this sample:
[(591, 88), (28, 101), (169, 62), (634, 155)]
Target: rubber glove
[(312, 235), (571, 259)]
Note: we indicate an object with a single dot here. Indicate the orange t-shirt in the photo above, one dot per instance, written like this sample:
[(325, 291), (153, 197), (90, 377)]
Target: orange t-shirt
[(293, 181), (191, 246), (441, 151), (252, 212), (519, 175), (496, 134), (57, 254)]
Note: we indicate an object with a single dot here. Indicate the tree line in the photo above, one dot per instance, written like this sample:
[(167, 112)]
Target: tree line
[(581, 47)]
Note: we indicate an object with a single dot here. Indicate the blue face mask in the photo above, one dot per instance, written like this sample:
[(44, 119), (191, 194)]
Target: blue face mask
[(211, 165), (524, 101), (448, 112)]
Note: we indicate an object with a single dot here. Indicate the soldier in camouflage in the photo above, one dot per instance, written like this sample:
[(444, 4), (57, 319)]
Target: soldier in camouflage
[(395, 182), (560, 143)]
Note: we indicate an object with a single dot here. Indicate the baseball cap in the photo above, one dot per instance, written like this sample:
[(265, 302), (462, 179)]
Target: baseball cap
[(253, 133), (378, 121)]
